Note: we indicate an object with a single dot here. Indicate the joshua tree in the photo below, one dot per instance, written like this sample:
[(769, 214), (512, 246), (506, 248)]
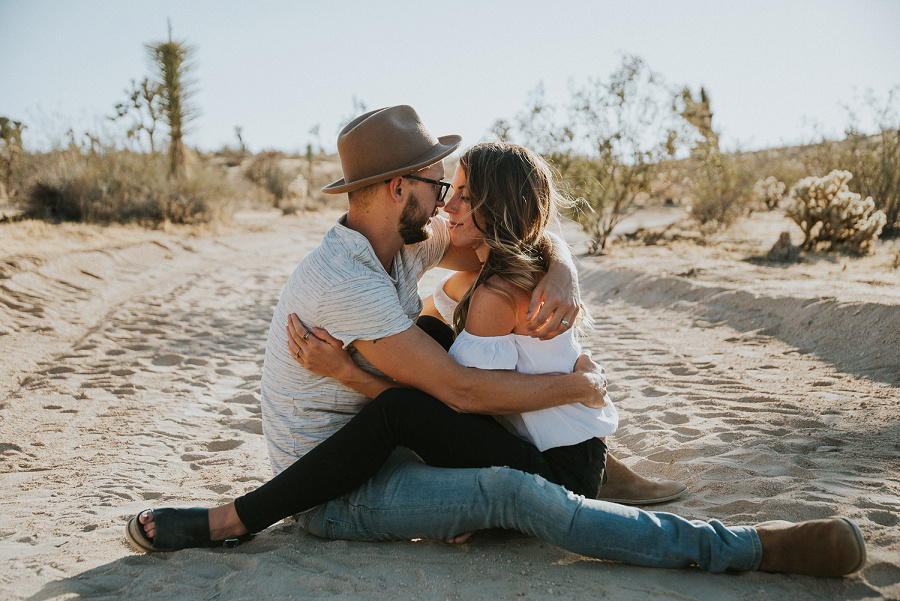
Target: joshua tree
[(171, 63)]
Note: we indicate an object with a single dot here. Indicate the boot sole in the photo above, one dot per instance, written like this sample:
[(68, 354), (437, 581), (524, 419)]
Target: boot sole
[(861, 544)]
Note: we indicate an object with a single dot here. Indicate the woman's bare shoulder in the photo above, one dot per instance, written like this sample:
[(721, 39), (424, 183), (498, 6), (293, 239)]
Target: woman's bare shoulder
[(491, 312), (521, 296)]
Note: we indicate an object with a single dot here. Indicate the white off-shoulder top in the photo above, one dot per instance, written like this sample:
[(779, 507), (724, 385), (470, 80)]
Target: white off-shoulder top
[(442, 302), (546, 428)]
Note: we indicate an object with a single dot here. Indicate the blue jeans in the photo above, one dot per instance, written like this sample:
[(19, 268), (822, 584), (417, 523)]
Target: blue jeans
[(408, 499)]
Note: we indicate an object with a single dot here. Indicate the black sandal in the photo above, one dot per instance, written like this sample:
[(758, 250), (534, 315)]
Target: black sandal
[(176, 529)]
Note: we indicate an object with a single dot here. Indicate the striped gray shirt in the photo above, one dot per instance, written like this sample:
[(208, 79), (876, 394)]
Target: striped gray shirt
[(341, 287)]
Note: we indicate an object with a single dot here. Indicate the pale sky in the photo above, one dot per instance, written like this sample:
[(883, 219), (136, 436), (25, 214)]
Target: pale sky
[(277, 68)]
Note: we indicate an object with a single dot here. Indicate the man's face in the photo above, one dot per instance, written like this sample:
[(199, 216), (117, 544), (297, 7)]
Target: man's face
[(414, 221), (421, 205)]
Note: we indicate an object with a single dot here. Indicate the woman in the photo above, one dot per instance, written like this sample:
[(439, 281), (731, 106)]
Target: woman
[(503, 200)]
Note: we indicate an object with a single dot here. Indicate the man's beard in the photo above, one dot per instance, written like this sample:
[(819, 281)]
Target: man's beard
[(413, 222)]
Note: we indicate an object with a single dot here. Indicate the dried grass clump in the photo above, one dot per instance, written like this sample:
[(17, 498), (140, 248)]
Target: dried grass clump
[(265, 170), (719, 190), (831, 216), (769, 192), (122, 186)]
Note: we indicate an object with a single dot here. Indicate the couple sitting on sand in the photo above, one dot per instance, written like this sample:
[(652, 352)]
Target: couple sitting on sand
[(504, 430)]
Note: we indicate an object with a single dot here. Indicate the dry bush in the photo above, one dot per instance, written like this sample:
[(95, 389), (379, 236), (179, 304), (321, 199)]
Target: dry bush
[(720, 183), (266, 171), (874, 160), (769, 192), (10, 150), (122, 186), (609, 148), (626, 124), (831, 216), (720, 190)]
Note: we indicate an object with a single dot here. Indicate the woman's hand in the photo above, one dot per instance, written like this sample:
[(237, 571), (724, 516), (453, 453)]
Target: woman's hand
[(597, 376), (318, 351)]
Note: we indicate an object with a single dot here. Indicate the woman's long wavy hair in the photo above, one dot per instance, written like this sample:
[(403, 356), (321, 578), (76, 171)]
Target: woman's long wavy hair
[(513, 199)]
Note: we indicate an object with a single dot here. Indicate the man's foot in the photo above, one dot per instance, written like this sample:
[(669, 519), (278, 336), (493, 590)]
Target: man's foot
[(630, 488), (831, 547), (186, 528)]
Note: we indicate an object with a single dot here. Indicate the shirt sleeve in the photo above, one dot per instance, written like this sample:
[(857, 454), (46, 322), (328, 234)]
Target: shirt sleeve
[(485, 352), (362, 309)]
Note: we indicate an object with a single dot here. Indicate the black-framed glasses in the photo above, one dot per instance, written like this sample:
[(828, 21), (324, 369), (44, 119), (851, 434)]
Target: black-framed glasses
[(442, 187)]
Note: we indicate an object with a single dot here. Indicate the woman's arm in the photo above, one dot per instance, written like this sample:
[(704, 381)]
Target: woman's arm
[(323, 354)]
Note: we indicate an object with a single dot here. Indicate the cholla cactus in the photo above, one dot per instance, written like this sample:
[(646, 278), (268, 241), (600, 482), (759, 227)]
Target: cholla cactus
[(831, 215), (769, 191)]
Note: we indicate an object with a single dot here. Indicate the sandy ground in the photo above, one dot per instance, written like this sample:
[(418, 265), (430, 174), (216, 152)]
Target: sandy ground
[(129, 371)]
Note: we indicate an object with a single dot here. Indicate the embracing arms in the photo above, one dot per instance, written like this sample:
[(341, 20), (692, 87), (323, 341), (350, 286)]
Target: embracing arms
[(413, 358)]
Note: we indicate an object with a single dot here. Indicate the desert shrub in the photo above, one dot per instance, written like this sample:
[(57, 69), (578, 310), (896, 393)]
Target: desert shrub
[(720, 183), (769, 192), (873, 159), (625, 124), (266, 171), (122, 186), (609, 148), (720, 190), (10, 149), (832, 216)]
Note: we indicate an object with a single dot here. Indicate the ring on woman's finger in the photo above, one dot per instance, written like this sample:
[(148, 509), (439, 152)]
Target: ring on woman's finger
[(306, 336), (565, 322)]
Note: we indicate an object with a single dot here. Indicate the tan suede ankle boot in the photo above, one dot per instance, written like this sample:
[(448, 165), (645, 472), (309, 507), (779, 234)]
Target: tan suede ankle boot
[(832, 547)]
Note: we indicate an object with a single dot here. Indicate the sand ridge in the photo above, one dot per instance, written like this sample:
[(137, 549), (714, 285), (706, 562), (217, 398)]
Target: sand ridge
[(144, 392)]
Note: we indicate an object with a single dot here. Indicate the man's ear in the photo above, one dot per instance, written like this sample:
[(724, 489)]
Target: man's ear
[(395, 189)]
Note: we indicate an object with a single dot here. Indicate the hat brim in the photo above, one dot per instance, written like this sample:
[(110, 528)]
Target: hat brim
[(445, 146)]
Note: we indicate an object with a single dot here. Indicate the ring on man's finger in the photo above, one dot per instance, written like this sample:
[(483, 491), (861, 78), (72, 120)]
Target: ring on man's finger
[(297, 356), (306, 336)]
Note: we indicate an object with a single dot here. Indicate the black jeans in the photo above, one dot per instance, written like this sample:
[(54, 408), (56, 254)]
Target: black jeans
[(404, 417)]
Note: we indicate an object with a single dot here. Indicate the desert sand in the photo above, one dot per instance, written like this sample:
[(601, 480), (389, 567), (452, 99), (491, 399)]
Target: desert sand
[(129, 372)]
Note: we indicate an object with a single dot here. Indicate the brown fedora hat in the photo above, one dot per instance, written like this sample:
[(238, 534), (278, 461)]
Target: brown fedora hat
[(385, 143)]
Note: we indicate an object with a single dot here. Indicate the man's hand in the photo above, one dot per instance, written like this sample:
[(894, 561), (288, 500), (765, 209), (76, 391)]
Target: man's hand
[(318, 351), (554, 301), (596, 375)]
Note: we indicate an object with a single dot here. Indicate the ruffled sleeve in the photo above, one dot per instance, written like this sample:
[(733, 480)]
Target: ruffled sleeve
[(485, 352)]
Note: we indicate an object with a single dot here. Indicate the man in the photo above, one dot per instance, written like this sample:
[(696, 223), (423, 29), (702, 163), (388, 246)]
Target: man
[(360, 286)]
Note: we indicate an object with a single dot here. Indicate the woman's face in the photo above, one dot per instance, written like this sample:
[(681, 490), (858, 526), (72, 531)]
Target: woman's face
[(459, 210)]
